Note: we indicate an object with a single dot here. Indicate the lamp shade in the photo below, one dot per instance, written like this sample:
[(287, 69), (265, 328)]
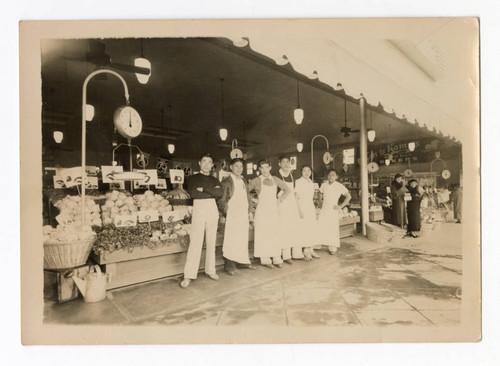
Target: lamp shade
[(371, 135), (89, 112), (171, 148), (298, 115), (142, 62), (254, 166), (58, 136), (411, 146), (387, 162), (300, 146), (223, 134)]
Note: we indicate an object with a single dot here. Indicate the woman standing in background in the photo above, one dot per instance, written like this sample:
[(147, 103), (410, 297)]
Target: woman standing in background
[(413, 208), (398, 191)]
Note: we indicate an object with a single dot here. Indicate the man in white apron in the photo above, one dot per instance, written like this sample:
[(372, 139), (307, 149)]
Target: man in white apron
[(289, 216), (204, 189), (328, 220), (267, 238), (234, 206)]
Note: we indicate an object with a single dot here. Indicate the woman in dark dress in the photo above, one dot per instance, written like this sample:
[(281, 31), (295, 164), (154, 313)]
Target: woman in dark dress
[(398, 191), (413, 208)]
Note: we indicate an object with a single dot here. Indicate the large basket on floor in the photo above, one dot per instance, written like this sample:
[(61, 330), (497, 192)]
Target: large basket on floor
[(399, 232), (378, 233), (436, 225), (58, 255), (426, 228)]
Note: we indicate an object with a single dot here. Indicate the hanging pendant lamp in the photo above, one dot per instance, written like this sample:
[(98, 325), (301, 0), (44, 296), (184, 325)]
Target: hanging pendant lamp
[(371, 132), (298, 113), (143, 62), (58, 136), (171, 146), (222, 131), (300, 145)]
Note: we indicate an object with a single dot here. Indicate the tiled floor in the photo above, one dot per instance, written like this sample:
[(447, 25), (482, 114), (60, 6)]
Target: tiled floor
[(408, 282)]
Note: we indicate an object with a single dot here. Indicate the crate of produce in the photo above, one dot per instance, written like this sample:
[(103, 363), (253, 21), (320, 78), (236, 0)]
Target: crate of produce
[(378, 233)]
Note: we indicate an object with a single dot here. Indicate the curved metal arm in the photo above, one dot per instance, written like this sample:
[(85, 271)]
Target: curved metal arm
[(312, 152), (432, 163), (234, 144), (334, 155), (84, 126)]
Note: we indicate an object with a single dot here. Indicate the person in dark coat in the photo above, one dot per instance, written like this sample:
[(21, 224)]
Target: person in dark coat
[(398, 191), (413, 208)]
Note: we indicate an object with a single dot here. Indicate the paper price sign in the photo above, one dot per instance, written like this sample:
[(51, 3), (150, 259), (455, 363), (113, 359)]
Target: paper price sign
[(150, 176), (176, 176), (170, 216), (91, 183), (138, 185), (108, 173), (125, 220), (148, 216), (91, 171), (117, 185), (71, 176), (58, 182), (162, 184)]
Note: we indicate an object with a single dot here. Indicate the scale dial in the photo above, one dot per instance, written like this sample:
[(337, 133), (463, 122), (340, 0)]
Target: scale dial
[(128, 122)]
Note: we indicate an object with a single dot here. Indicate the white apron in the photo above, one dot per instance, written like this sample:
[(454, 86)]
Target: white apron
[(290, 221), (328, 220), (235, 246), (267, 243), (309, 222)]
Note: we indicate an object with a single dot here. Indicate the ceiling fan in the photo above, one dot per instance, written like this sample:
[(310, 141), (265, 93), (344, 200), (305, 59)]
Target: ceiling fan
[(96, 54), (346, 130)]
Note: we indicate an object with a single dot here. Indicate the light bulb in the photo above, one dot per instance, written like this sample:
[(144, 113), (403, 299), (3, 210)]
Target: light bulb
[(411, 146), (298, 115), (171, 148), (58, 136), (89, 112), (371, 135), (387, 162), (300, 146), (241, 42), (255, 167), (437, 154), (223, 134), (142, 62), (282, 61)]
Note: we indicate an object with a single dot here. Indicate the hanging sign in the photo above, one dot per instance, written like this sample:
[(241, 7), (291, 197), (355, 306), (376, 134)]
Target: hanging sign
[(91, 171), (125, 220), (108, 173), (162, 183), (176, 176), (148, 216), (170, 216), (138, 185)]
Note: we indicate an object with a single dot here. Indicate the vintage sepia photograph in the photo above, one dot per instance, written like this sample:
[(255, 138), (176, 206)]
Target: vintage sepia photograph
[(261, 181)]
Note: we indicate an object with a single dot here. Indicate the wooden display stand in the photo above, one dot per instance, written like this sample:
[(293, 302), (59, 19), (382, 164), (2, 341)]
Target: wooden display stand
[(347, 226), (59, 284), (144, 264)]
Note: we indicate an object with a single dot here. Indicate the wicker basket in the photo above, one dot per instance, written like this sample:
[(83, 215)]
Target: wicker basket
[(58, 255), (378, 233), (436, 225), (426, 228), (399, 232)]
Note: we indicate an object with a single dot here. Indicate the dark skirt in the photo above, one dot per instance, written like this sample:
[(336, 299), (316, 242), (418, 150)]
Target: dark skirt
[(398, 212), (413, 208)]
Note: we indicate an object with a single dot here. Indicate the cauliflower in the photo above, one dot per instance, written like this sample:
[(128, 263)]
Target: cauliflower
[(157, 233), (154, 238), (163, 236), (119, 203)]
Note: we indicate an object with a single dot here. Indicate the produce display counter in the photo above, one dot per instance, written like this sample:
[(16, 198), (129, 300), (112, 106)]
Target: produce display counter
[(143, 264), (347, 226)]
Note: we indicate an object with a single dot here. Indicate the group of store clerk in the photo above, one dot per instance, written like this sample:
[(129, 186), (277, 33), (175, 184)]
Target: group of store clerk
[(282, 211)]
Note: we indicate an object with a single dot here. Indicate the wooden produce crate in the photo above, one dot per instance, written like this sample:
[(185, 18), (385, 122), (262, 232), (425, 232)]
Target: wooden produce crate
[(376, 215), (347, 226)]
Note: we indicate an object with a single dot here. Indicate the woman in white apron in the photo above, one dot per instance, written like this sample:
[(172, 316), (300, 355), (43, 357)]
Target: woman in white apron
[(328, 220), (267, 238), (304, 189), (290, 217), (234, 206)]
